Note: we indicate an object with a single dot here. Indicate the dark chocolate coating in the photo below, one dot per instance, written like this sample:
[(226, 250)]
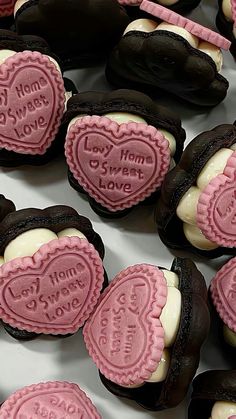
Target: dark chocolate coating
[(208, 388), (131, 101), (185, 355), (55, 218), (226, 28), (6, 22), (164, 60), (180, 179), (80, 32), (6, 206), (181, 7), (10, 40)]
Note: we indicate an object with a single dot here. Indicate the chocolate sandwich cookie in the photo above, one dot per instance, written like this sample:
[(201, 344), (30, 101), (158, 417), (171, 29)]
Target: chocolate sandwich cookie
[(146, 333), (51, 271), (226, 22), (179, 6), (52, 400), (119, 147), (6, 13), (81, 33), (196, 210), (33, 97), (173, 54), (214, 396)]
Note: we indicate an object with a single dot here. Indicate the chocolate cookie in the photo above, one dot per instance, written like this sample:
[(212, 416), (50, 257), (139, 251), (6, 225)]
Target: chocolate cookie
[(119, 146), (153, 364), (214, 396), (52, 399), (226, 22), (51, 271), (33, 97), (179, 6), (170, 56), (81, 33), (196, 209)]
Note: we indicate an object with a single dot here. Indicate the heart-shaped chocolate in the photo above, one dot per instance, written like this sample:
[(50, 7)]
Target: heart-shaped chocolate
[(118, 165), (216, 210), (124, 335), (223, 292), (57, 399), (55, 290), (32, 98), (6, 7)]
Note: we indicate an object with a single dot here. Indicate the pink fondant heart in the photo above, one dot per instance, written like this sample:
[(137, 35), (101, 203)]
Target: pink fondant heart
[(55, 290), (216, 210), (51, 400), (173, 18), (223, 291), (32, 100), (6, 7), (118, 165), (124, 335)]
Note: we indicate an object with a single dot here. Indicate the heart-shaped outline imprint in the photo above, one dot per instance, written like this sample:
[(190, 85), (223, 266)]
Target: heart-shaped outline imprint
[(7, 7), (55, 290), (32, 98), (216, 209), (223, 293), (59, 397), (121, 180), (124, 335)]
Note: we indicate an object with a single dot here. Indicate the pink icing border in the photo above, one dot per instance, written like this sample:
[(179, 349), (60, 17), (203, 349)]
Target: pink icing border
[(9, 404), (23, 57), (192, 27), (130, 2), (204, 218), (20, 264), (114, 129), (216, 298), (147, 365), (7, 9)]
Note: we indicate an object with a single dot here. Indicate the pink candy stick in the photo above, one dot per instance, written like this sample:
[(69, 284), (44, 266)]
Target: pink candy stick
[(194, 28)]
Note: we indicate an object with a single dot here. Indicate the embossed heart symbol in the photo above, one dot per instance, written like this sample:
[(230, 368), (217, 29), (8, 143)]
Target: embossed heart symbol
[(55, 290), (223, 291), (57, 399), (7, 7), (216, 210), (31, 103), (124, 335), (132, 160)]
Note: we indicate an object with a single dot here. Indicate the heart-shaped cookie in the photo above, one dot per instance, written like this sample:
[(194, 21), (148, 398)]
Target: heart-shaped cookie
[(6, 7), (32, 98), (118, 165), (216, 210), (223, 292), (55, 290), (50, 400), (124, 335)]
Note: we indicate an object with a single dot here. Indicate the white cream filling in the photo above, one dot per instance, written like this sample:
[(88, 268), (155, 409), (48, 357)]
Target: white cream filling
[(26, 244), (125, 117), (227, 10), (146, 25), (229, 336), (187, 208), (170, 320), (18, 4), (223, 410)]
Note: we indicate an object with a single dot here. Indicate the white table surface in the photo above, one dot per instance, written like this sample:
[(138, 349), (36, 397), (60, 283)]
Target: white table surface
[(130, 240)]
